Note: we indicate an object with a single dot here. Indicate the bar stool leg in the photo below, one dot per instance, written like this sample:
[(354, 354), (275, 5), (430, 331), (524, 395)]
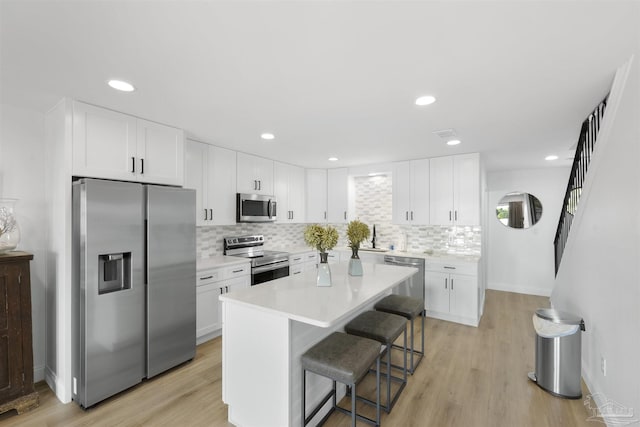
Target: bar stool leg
[(413, 340), (304, 387), (378, 391), (353, 406)]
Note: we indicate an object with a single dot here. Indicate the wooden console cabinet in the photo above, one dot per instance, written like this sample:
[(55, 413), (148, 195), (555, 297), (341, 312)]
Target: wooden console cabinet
[(16, 352)]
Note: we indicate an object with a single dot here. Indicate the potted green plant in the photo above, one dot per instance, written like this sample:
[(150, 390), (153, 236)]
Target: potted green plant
[(357, 232), (323, 239)]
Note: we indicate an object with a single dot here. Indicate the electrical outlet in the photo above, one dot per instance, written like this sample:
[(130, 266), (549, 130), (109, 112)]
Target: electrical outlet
[(603, 365)]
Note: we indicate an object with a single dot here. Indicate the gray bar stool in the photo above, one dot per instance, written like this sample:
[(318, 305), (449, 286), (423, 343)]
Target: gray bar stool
[(344, 358), (409, 308), (384, 328)]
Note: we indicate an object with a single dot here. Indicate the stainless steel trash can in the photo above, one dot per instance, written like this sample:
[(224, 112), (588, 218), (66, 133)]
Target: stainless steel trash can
[(558, 352)]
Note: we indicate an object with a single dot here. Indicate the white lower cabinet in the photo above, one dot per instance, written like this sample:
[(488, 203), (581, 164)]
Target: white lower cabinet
[(301, 262), (211, 284), (451, 292)]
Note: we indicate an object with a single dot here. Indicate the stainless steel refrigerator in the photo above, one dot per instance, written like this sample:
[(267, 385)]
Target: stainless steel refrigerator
[(134, 275)]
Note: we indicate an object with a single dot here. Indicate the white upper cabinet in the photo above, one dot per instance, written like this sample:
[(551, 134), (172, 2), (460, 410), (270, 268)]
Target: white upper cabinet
[(211, 172), (411, 192), (316, 189), (254, 175), (104, 143), (160, 153), (466, 189), (112, 145), (289, 192), (337, 195), (455, 190), (196, 177)]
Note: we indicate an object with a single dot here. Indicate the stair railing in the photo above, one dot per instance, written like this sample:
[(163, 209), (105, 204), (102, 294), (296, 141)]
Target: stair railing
[(581, 160)]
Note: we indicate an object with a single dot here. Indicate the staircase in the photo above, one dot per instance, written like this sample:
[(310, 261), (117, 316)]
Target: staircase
[(586, 144)]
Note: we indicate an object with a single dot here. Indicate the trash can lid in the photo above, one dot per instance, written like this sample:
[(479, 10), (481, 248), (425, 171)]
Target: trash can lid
[(557, 316)]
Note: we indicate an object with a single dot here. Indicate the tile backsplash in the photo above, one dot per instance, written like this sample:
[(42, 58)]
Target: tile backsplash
[(373, 205)]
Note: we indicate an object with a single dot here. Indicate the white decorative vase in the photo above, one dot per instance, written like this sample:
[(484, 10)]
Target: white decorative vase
[(9, 230), (355, 264), (324, 272)]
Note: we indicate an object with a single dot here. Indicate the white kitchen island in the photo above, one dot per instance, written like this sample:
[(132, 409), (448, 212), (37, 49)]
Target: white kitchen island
[(268, 327)]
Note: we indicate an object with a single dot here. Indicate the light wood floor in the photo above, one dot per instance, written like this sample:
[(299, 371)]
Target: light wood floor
[(469, 377)]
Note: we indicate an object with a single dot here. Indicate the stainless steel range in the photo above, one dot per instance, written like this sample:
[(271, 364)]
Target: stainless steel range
[(265, 265)]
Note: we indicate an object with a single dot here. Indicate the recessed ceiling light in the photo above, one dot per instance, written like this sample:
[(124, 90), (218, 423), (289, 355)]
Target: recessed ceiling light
[(333, 159), (121, 85), (551, 157), (453, 142), (267, 136), (425, 100)]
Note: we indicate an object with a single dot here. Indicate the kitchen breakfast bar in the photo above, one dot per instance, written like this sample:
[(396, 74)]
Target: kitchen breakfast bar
[(266, 329)]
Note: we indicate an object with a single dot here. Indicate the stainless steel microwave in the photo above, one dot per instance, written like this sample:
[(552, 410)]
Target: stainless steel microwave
[(255, 208)]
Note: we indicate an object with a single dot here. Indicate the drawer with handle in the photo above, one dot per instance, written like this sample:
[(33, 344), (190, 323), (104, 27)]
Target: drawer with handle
[(209, 276), (456, 267), (296, 259), (237, 271)]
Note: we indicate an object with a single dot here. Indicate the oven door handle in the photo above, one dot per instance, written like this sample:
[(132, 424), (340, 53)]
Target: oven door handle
[(269, 267)]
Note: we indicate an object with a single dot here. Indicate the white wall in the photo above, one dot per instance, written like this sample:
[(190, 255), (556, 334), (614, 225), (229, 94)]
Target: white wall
[(599, 277), (522, 260), (22, 164)]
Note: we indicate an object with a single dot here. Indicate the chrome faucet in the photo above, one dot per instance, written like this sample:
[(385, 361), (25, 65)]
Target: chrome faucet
[(373, 241)]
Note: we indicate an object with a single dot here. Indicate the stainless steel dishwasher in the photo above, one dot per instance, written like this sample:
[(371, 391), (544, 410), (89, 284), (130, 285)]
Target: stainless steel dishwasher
[(413, 286)]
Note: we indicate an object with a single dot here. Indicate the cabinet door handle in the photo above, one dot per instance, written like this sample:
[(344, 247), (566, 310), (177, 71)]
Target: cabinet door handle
[(449, 268), (406, 215), (345, 214), (291, 214), (411, 215), (210, 214), (297, 259), (325, 214), (451, 284), (206, 277), (445, 283), (449, 215), (238, 271), (133, 165), (297, 272), (455, 215), (141, 166), (259, 185), (226, 288), (205, 214), (221, 291)]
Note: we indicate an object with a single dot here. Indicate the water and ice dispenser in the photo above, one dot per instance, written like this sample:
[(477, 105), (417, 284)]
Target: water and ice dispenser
[(114, 272)]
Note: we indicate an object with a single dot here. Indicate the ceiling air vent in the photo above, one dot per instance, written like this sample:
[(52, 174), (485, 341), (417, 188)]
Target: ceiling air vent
[(445, 134)]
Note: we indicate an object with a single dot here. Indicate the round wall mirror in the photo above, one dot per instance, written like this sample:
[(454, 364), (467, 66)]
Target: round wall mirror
[(519, 210)]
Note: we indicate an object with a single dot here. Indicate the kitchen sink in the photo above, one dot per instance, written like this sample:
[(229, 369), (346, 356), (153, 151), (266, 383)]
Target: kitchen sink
[(373, 249)]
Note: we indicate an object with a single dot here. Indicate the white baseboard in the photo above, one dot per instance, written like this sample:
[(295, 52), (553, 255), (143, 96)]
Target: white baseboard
[(38, 373), (50, 378), (453, 318), (529, 290), (56, 385), (208, 337), (610, 412)]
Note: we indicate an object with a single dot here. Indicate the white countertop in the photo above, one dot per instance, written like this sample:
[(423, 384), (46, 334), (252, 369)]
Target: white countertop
[(219, 261), (435, 256), (298, 298)]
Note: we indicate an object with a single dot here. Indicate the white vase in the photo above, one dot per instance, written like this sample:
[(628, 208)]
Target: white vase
[(355, 264), (9, 230), (324, 272)]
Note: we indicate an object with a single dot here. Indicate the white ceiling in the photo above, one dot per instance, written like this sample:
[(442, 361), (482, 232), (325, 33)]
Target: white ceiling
[(330, 78)]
